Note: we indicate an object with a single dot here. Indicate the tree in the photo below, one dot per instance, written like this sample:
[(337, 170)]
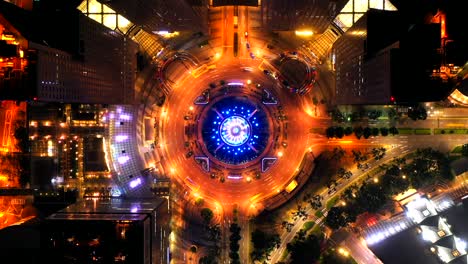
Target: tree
[(378, 153), (392, 181), (286, 225), (336, 115), (338, 153), (371, 197), (199, 201), (330, 132), (339, 132), (399, 161), (392, 113), (304, 251), (358, 156), (336, 218), (464, 150), (374, 114), (418, 112), (375, 131), (358, 132), (234, 242), (354, 116), (393, 130), (315, 101), (263, 244), (427, 168), (384, 131), (207, 215), (367, 132), (348, 131), (193, 249), (340, 172)]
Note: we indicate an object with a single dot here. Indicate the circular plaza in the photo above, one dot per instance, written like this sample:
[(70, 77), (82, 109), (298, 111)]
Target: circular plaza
[(235, 130)]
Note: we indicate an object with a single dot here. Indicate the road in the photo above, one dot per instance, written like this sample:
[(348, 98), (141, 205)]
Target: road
[(399, 145), (183, 93), (186, 76)]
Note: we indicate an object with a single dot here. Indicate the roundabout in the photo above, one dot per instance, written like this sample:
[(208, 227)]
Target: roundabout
[(239, 140), (230, 133)]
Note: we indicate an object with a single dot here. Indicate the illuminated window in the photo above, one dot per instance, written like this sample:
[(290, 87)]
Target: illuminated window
[(355, 9), (104, 15), (441, 233)]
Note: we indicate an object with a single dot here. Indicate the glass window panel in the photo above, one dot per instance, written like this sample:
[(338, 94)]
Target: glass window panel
[(97, 18), (348, 7), (360, 6), (377, 4), (83, 7), (110, 21), (389, 6), (107, 9), (357, 17), (94, 6), (124, 24), (345, 19)]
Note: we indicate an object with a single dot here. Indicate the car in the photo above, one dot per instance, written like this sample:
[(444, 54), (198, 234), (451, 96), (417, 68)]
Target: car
[(267, 72), (293, 53), (246, 34), (252, 55), (247, 69), (247, 45)]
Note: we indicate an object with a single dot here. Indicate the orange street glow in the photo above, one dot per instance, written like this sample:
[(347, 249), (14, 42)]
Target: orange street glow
[(304, 33), (291, 186)]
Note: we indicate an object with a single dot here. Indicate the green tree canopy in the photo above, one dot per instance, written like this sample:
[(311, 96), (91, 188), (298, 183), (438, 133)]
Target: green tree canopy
[(207, 215), (304, 251)]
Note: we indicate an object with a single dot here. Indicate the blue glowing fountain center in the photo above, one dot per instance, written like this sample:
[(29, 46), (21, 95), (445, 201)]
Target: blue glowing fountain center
[(234, 131)]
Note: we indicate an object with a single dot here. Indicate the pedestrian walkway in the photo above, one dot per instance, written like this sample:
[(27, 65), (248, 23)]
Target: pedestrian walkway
[(322, 45)]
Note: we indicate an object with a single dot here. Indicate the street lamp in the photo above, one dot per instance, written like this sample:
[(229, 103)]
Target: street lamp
[(343, 252)]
